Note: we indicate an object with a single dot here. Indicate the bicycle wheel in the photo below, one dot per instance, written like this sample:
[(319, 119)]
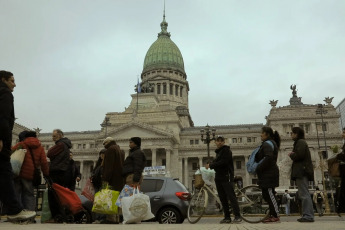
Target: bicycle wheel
[(251, 204), (197, 206)]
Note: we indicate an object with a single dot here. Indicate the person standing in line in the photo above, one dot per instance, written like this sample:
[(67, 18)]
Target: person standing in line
[(73, 174), (302, 172), (112, 171), (23, 183), (268, 172), (59, 163), (341, 157), (287, 202), (134, 164), (224, 167), (8, 196), (318, 199)]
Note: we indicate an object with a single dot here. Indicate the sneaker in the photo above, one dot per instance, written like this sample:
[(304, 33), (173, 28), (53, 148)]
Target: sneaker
[(225, 221), (237, 219), (305, 220), (23, 215), (272, 219)]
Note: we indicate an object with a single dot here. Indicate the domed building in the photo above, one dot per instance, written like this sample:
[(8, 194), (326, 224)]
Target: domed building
[(159, 114)]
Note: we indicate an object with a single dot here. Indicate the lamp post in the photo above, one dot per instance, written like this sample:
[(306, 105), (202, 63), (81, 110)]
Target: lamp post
[(105, 125), (208, 132), (320, 110)]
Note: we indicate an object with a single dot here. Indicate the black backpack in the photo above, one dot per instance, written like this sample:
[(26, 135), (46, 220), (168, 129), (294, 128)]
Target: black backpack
[(319, 198)]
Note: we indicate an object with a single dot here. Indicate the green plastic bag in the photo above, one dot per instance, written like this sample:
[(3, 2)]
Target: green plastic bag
[(105, 200), (45, 213)]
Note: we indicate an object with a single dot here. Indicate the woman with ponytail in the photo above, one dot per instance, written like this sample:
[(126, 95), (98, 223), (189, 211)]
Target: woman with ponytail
[(267, 170)]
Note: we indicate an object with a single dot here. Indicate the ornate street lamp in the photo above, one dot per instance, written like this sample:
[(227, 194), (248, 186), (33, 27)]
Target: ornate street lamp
[(105, 125), (208, 132), (320, 110)]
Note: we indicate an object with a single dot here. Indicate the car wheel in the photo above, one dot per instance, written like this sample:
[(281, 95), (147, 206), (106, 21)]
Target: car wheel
[(169, 216)]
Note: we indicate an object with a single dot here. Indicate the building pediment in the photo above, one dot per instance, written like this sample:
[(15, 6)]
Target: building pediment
[(142, 130)]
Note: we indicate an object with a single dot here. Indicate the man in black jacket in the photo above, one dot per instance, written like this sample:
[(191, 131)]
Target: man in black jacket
[(134, 164), (7, 195), (224, 167)]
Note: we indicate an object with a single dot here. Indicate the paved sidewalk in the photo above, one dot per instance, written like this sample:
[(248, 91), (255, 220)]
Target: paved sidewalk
[(287, 223)]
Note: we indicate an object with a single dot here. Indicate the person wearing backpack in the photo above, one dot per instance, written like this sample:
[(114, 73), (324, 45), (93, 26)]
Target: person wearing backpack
[(318, 198), (286, 202), (267, 170)]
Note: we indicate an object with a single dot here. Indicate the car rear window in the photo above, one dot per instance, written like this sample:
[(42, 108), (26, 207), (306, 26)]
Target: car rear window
[(183, 188), (151, 185)]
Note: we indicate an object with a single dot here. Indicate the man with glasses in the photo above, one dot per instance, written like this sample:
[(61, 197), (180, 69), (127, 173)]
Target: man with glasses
[(224, 167)]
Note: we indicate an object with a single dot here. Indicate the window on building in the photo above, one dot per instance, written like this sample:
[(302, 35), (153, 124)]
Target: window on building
[(164, 162), (176, 90), (234, 140), (158, 88), (238, 165), (79, 146), (307, 128), (96, 146), (191, 142), (164, 88), (249, 139), (148, 163), (302, 126), (254, 181), (181, 88), (194, 166), (84, 146), (254, 139), (196, 142), (240, 140), (92, 146), (171, 89)]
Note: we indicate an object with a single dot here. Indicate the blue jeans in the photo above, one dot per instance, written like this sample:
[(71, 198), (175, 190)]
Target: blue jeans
[(304, 196), (7, 192), (287, 208), (25, 192)]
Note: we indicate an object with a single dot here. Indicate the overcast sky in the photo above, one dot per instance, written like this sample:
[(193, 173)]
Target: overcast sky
[(76, 60)]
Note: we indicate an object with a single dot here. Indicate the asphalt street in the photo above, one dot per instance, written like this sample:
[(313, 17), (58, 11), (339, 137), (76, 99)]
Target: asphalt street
[(287, 223)]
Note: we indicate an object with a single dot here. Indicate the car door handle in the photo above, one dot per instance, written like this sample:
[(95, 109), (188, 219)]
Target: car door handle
[(156, 198)]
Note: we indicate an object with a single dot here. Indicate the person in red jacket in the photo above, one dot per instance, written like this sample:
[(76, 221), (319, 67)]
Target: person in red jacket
[(23, 183)]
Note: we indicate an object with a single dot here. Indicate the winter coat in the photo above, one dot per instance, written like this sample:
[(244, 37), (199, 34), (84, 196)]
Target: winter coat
[(59, 155), (341, 157), (267, 170), (301, 165), (223, 164), (34, 145), (112, 167), (72, 173), (6, 120), (134, 163)]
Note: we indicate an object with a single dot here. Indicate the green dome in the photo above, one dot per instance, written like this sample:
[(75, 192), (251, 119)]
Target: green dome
[(163, 53)]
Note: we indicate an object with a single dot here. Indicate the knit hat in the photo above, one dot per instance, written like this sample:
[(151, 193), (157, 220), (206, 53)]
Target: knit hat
[(107, 140), (136, 140)]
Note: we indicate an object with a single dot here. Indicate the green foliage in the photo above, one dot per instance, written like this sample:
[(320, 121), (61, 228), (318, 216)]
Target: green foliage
[(335, 148)]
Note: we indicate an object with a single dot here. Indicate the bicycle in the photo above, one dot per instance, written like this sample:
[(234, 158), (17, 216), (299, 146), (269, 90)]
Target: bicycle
[(249, 200)]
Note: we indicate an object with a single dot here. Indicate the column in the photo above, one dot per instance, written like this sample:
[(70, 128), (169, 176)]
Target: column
[(247, 178), (167, 160), (180, 169), (154, 157), (82, 173), (200, 162), (186, 172)]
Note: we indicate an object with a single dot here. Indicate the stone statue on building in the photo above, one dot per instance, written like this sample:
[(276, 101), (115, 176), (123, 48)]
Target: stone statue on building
[(294, 91), (328, 100), (145, 87), (295, 100), (273, 103)]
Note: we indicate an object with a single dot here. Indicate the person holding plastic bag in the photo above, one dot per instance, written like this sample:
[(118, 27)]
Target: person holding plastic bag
[(112, 171), (224, 167)]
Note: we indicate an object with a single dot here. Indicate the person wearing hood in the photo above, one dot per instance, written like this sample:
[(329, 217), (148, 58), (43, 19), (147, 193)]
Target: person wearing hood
[(59, 165), (15, 210), (224, 167), (23, 183)]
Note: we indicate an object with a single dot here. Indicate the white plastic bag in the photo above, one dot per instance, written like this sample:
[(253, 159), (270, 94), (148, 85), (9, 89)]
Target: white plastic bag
[(17, 159), (208, 175), (136, 208)]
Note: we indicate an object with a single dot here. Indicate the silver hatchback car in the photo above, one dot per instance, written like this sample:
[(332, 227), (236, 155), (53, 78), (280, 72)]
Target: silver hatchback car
[(168, 197)]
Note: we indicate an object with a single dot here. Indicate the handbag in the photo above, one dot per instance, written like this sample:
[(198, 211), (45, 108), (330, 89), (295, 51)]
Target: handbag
[(136, 208), (17, 159), (37, 180), (333, 167), (89, 190), (104, 201)]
